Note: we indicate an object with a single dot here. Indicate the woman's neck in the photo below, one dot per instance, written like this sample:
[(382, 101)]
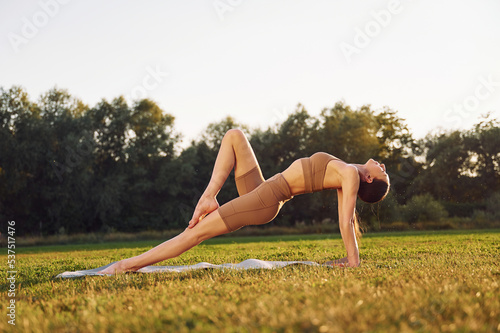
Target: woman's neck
[(361, 171)]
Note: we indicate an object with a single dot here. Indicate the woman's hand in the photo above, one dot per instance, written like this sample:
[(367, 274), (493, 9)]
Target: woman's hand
[(205, 206), (343, 262), (353, 261), (338, 262)]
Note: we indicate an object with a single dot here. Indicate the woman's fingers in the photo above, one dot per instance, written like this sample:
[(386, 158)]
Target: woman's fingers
[(204, 207), (197, 215), (195, 218), (192, 223), (337, 263)]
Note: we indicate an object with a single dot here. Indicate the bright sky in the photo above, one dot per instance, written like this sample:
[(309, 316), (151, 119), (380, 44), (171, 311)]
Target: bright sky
[(435, 62)]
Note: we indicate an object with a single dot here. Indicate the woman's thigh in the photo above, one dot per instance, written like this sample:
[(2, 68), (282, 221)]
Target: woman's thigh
[(245, 159)]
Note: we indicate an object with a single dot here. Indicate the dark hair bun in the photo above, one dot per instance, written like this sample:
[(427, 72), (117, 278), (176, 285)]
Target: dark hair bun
[(373, 192)]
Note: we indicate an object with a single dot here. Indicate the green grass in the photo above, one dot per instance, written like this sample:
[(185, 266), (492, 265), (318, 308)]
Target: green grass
[(408, 281)]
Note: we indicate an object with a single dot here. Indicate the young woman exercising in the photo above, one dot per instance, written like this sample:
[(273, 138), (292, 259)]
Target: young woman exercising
[(260, 200)]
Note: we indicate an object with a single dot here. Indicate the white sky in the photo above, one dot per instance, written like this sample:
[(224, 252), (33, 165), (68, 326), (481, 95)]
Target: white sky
[(256, 60)]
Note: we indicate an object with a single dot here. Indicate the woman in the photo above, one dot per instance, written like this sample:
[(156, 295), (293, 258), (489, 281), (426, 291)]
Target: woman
[(260, 201)]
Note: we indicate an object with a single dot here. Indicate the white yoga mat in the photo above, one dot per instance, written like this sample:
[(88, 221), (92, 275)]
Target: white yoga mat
[(247, 264)]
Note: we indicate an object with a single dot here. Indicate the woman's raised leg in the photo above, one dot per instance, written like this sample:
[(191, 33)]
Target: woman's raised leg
[(207, 228), (235, 152)]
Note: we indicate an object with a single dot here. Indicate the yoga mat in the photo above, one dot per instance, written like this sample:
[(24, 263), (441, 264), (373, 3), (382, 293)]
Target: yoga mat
[(247, 264)]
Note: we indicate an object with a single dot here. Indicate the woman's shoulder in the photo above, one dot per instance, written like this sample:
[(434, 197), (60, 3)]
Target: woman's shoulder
[(349, 176)]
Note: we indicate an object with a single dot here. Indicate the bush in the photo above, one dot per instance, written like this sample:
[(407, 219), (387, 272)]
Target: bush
[(490, 212), (373, 215), (462, 209), (423, 208), (492, 205)]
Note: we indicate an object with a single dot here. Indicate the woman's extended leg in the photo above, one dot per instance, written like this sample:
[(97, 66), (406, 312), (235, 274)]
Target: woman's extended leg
[(235, 152), (209, 227)]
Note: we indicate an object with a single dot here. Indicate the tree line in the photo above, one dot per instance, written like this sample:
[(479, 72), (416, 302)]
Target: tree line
[(66, 167)]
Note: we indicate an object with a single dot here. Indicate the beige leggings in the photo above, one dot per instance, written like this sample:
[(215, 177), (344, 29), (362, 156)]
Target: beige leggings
[(260, 201)]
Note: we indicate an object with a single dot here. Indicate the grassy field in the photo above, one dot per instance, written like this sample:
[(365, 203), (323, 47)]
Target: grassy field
[(411, 281)]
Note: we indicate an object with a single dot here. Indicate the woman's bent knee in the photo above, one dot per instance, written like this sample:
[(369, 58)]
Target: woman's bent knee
[(235, 135)]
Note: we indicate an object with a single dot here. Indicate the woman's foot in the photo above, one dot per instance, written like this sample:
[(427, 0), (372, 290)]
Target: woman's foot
[(116, 268), (205, 206)]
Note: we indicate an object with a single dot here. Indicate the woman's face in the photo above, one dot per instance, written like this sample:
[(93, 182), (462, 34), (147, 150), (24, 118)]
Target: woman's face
[(376, 170)]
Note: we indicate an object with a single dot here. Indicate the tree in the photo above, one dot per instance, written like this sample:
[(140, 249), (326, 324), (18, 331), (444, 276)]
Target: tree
[(348, 134), (151, 144), (442, 174), (483, 160), (294, 136), (461, 167), (214, 133), (65, 167)]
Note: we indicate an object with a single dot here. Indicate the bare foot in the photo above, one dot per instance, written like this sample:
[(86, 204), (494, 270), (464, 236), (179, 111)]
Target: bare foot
[(117, 268), (205, 206)]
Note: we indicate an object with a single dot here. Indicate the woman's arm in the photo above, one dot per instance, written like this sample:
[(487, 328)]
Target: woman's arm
[(347, 204), (340, 201)]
